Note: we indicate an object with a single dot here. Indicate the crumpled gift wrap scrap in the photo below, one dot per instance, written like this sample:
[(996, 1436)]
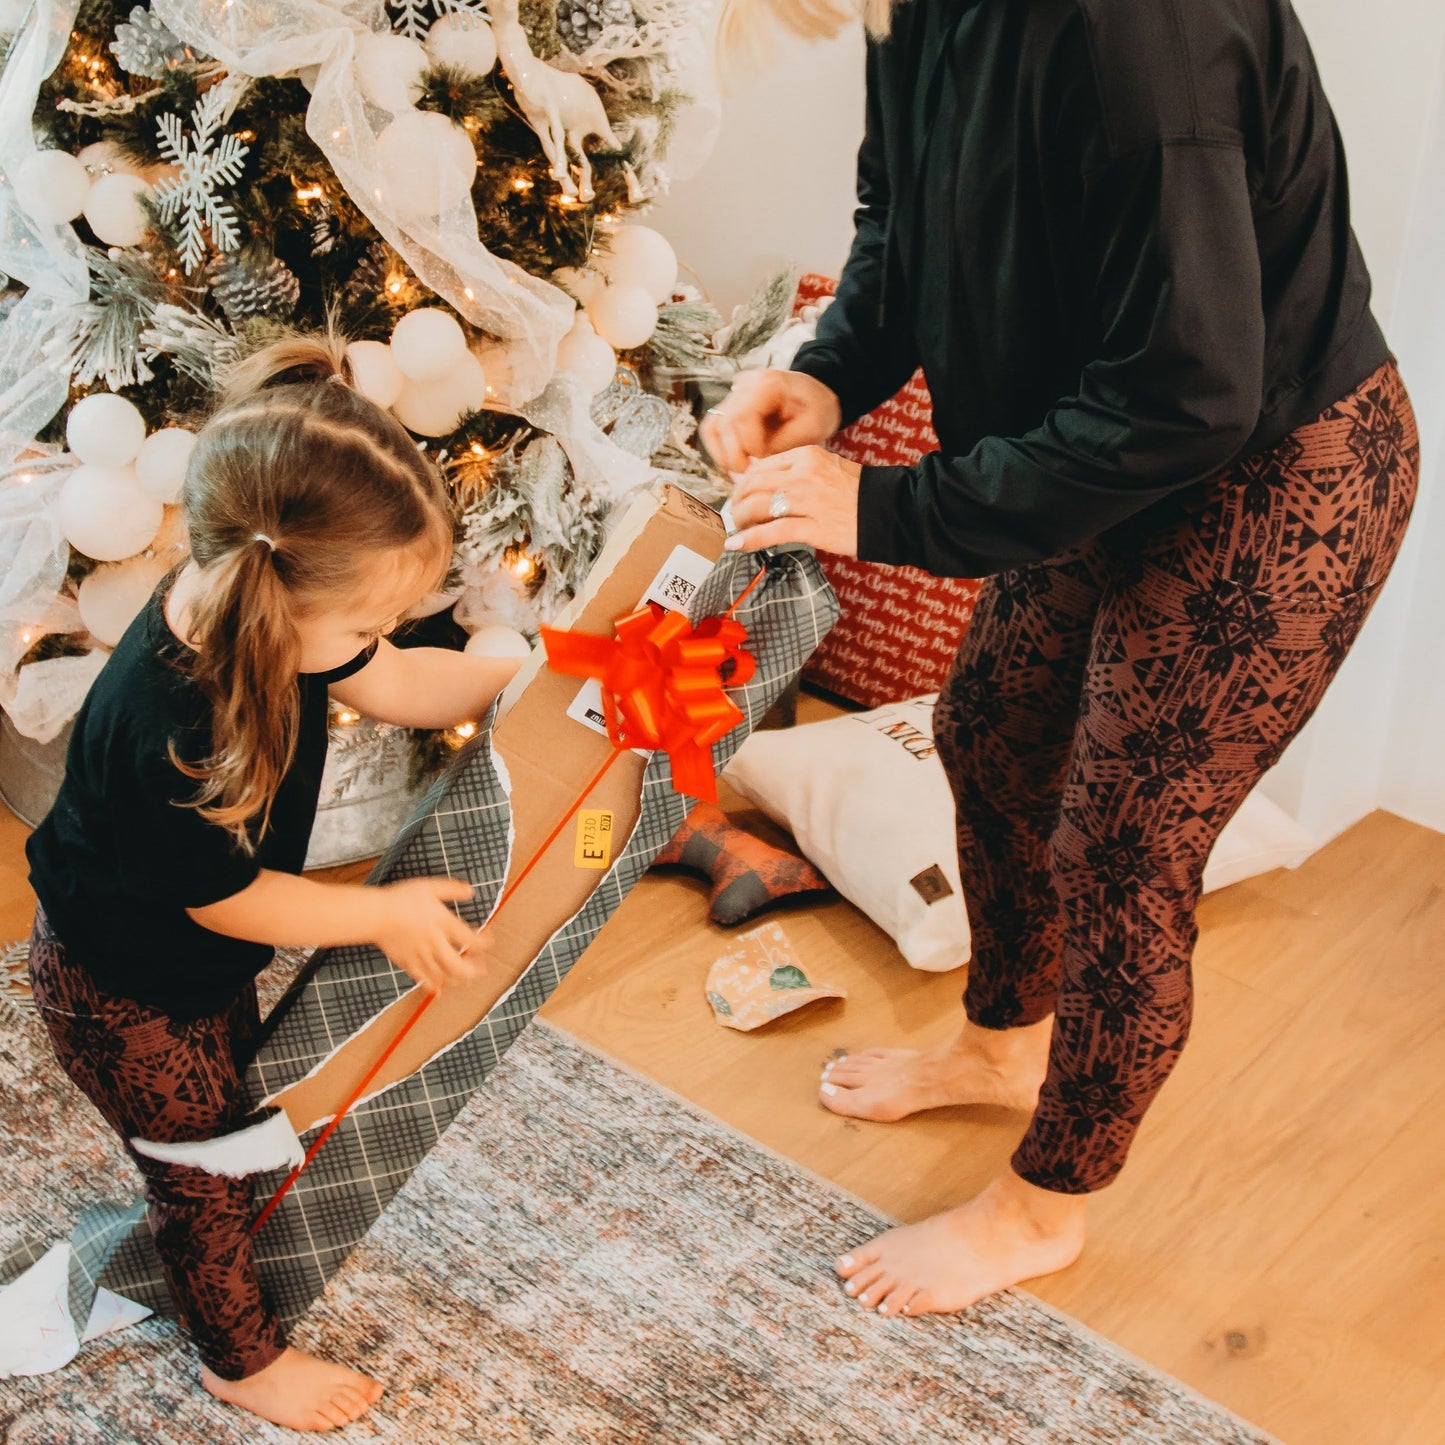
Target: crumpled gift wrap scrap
[(761, 978)]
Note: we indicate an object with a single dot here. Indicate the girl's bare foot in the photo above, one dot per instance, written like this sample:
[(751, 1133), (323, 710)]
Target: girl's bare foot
[(300, 1392), (1011, 1232), (1003, 1067)]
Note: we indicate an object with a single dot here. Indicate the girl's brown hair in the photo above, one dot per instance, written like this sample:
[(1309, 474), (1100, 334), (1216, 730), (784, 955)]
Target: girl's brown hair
[(297, 487)]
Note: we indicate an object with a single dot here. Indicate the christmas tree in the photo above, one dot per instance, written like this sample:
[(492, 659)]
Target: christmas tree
[(453, 181)]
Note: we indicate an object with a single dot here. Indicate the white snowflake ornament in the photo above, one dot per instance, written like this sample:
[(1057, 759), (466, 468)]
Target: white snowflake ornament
[(192, 194)]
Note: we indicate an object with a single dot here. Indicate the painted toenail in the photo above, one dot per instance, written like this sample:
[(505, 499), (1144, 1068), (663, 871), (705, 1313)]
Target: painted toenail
[(846, 1262), (830, 1088), (883, 1309), (852, 1289)]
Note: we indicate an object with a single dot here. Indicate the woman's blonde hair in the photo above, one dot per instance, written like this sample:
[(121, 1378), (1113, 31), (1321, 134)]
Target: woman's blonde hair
[(745, 27), (297, 486)]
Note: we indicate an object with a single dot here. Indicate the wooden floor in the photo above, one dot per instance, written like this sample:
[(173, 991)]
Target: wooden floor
[(1278, 1240)]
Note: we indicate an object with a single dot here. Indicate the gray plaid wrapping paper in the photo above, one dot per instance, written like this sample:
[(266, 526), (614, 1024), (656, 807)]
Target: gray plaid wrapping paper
[(460, 828)]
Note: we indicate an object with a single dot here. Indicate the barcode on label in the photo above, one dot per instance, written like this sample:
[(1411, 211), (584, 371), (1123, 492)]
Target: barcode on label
[(676, 584), (678, 591)]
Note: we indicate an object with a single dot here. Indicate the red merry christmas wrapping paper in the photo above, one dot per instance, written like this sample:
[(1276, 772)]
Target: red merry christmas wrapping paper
[(900, 627)]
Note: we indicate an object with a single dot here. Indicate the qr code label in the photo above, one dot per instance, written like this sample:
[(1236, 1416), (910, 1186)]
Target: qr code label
[(677, 583), (678, 591)]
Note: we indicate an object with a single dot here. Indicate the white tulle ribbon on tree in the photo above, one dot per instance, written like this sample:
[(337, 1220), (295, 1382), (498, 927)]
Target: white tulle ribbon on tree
[(274, 38), (444, 250), (46, 258)]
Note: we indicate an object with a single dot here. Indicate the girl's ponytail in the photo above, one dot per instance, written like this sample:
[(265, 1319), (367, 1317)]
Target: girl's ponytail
[(297, 358), (247, 658)]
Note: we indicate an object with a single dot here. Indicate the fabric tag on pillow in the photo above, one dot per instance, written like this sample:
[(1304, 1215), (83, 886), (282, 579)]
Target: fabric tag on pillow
[(759, 979), (932, 885)]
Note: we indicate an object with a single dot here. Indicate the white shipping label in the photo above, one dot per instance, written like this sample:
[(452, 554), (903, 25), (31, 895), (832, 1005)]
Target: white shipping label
[(676, 585), (587, 709)]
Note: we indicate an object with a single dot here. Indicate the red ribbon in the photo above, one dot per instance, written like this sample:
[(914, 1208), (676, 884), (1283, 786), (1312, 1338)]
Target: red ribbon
[(662, 685)]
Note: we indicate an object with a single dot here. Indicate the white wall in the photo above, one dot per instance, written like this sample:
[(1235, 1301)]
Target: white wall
[(780, 187), (1375, 741)]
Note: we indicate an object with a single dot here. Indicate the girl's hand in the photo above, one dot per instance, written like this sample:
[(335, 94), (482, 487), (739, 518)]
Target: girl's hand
[(767, 412), (808, 495), (420, 934)]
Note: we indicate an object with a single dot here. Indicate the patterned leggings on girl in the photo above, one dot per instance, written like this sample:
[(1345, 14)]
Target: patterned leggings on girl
[(158, 1078), (1108, 713)]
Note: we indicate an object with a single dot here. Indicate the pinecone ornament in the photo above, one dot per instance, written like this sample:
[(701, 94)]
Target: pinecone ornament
[(247, 285), (143, 45), (368, 277), (580, 23)]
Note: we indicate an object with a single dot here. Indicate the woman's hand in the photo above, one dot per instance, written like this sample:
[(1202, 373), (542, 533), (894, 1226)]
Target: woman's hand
[(420, 934), (768, 412), (808, 495)]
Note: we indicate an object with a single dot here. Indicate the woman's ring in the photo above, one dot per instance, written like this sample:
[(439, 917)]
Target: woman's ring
[(779, 508)]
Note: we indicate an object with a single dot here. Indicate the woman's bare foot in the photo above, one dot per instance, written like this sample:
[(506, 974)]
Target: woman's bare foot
[(1011, 1232), (299, 1391), (1003, 1067)]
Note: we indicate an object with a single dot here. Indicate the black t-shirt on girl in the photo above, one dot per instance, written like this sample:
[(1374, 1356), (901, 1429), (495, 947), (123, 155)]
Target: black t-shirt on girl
[(115, 863)]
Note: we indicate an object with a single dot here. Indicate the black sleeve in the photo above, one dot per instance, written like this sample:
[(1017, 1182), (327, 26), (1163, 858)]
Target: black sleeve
[(347, 669), (864, 358), (166, 852), (1168, 242)]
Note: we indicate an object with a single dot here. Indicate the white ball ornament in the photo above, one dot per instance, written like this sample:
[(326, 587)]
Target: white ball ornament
[(113, 209), (624, 316), (104, 156), (586, 356), (389, 69), (435, 408), (640, 256), (51, 187), (104, 514), (111, 597), (494, 640), (374, 369), (582, 285), (427, 343), (105, 430), (463, 40), (160, 466), (427, 162)]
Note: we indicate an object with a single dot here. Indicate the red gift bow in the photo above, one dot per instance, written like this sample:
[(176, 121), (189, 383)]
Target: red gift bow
[(662, 685)]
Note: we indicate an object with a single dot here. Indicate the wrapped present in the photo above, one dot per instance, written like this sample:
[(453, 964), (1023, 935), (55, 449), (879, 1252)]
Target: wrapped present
[(899, 627), (553, 812)]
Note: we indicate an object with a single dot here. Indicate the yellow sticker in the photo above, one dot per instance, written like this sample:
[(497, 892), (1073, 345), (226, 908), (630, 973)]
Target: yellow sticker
[(594, 839)]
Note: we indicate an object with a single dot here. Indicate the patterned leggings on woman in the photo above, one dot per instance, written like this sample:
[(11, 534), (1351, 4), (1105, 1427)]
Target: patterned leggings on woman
[(1108, 713), (158, 1078)]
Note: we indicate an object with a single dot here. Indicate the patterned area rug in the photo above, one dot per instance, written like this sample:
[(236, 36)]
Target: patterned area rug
[(585, 1258)]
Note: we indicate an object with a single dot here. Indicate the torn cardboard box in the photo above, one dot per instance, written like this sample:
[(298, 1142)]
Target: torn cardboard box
[(491, 811)]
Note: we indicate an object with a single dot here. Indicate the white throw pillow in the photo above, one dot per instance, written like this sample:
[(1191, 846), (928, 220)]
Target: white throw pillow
[(866, 798)]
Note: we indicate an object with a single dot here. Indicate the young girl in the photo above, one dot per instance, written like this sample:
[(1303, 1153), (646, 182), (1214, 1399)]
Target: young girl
[(169, 867)]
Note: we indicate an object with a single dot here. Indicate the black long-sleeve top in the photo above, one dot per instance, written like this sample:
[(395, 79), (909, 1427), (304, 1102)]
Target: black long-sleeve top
[(1115, 234)]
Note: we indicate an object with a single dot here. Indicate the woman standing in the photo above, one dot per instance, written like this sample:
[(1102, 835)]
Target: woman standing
[(1115, 234)]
